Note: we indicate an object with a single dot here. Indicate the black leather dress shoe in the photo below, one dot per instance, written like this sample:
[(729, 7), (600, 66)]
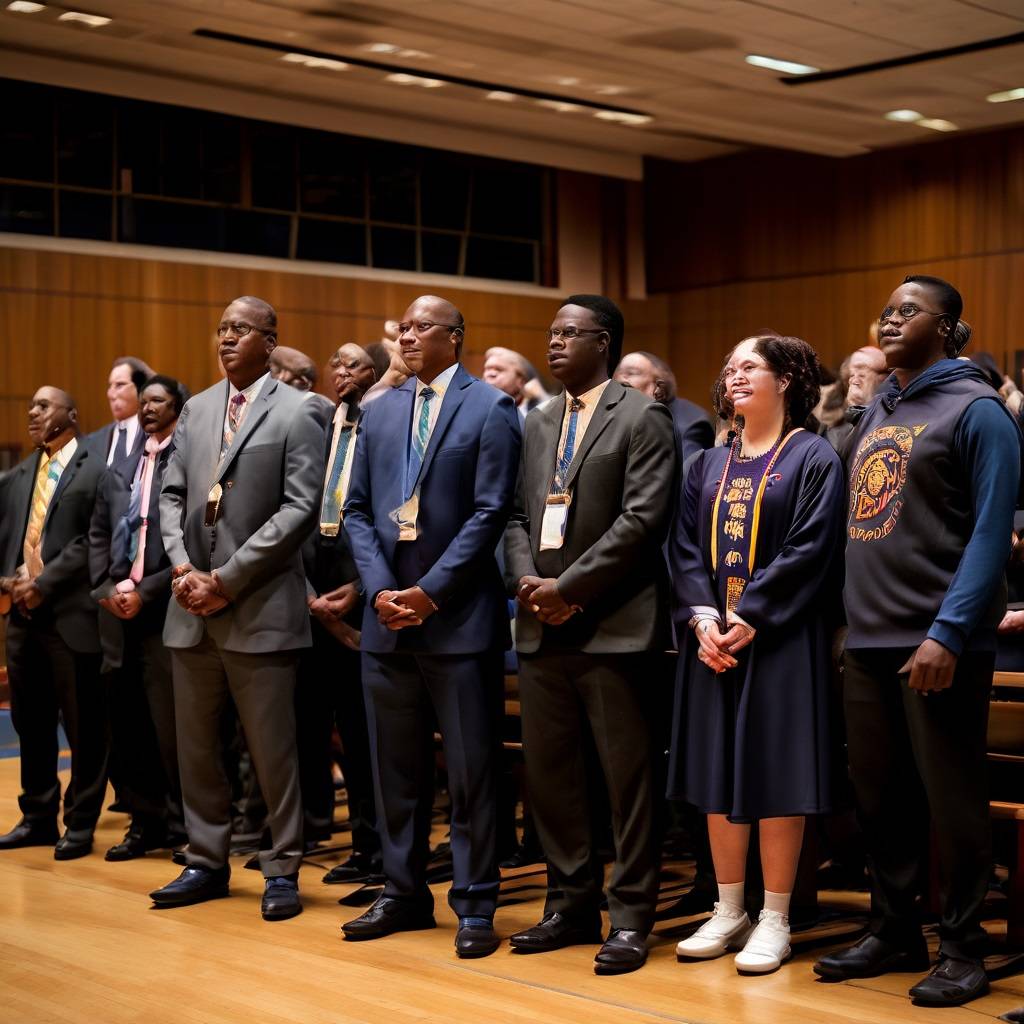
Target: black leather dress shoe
[(194, 885), (72, 849), (556, 932), (475, 941), (281, 898), (388, 915), (952, 982), (872, 956), (30, 833), (358, 868), (623, 951), (522, 856), (137, 842)]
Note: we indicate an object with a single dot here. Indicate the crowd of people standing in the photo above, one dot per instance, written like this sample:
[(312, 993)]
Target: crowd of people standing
[(352, 565)]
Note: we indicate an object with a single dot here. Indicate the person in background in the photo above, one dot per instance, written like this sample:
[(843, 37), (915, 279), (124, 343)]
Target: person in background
[(123, 439), (53, 644), (934, 472), (131, 574), (863, 373), (298, 371), (505, 370)]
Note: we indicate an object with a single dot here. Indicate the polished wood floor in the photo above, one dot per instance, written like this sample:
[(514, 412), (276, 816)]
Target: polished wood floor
[(80, 944)]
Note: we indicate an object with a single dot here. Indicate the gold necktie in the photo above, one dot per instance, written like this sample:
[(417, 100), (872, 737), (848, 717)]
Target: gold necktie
[(47, 476)]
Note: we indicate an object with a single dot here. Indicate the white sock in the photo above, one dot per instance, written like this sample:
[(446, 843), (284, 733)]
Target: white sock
[(777, 901), (731, 894)]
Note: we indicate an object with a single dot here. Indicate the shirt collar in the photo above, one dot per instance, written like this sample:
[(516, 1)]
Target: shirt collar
[(251, 391), (439, 385), (590, 398), (63, 454)]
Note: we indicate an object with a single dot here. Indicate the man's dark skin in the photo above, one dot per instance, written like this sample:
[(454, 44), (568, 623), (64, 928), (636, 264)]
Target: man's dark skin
[(352, 375), (427, 353), (910, 347), (580, 364), (245, 361), (52, 422), (157, 416), (292, 367)]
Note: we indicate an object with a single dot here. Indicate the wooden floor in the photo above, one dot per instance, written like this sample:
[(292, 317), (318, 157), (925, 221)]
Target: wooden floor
[(80, 944)]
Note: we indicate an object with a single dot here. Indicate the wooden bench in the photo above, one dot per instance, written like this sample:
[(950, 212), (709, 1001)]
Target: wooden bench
[(1006, 748)]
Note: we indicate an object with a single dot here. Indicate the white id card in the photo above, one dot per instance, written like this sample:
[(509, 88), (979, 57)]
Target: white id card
[(406, 516), (552, 527)]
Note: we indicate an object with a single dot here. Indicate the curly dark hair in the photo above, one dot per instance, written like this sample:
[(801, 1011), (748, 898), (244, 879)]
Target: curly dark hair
[(786, 357)]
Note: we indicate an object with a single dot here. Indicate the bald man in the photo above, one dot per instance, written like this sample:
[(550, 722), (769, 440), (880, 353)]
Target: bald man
[(867, 369), (505, 370), (53, 644), (431, 489), (298, 371)]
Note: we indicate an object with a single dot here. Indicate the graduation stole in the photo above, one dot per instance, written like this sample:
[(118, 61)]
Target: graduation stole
[(755, 522)]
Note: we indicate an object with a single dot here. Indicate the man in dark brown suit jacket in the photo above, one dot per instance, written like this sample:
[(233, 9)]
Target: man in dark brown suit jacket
[(584, 547)]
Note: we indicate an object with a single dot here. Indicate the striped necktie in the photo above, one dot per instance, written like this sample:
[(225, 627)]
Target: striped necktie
[(330, 509), (569, 448), (47, 476), (235, 407), (419, 441)]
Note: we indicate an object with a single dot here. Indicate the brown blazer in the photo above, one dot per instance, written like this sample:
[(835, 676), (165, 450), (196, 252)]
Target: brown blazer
[(622, 481)]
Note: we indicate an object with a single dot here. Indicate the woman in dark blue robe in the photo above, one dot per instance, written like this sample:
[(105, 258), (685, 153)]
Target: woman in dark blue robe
[(757, 573)]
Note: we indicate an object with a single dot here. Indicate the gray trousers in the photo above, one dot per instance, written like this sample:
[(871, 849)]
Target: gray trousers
[(263, 689)]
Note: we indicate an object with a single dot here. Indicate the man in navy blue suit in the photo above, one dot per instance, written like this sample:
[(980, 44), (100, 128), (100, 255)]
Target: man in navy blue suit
[(431, 490)]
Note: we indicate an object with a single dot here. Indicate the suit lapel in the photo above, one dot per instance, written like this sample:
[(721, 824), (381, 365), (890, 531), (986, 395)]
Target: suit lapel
[(550, 420), (453, 398), (65, 480), (258, 412), (603, 415)]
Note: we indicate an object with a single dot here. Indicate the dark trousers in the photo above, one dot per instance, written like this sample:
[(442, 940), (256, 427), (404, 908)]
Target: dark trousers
[(403, 693), (329, 693), (263, 689), (919, 762), (50, 680), (610, 695), (143, 737)]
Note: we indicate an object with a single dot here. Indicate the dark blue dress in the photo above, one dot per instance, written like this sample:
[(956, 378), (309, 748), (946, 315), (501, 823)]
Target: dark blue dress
[(754, 742)]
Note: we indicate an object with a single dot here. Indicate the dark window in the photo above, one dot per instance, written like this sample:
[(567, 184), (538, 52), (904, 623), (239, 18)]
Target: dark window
[(140, 149), (444, 187), (26, 132), (85, 140), (393, 185), (272, 149), (220, 147), (492, 257), (393, 248), (333, 241), (331, 178), (180, 225), (507, 202), (261, 234), (85, 214), (26, 210), (441, 252)]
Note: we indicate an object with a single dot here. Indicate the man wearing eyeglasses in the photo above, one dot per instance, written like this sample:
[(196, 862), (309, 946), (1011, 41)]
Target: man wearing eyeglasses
[(53, 642), (934, 469), (430, 492), (238, 499)]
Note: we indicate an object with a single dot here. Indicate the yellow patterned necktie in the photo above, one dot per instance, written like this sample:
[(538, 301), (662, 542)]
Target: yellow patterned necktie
[(47, 476)]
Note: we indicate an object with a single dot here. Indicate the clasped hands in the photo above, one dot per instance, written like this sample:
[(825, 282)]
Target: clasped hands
[(399, 609), (22, 591), (124, 606), (330, 610), (717, 648), (541, 596), (199, 593)]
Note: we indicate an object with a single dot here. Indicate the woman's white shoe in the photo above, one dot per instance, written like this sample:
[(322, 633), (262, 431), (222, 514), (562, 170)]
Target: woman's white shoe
[(726, 929), (768, 945)]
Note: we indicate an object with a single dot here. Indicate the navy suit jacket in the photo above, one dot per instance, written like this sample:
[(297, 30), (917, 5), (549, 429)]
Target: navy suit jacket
[(467, 484), (692, 428)]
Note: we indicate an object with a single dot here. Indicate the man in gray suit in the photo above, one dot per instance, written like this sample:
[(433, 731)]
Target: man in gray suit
[(239, 497), (584, 547)]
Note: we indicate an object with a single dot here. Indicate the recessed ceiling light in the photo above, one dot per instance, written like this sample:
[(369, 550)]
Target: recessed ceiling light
[(25, 7), (623, 117), (559, 105), (308, 61), (502, 97), (402, 79), (996, 97), (381, 48), (788, 66), (92, 20), (903, 115), (610, 90), (937, 124), (565, 81)]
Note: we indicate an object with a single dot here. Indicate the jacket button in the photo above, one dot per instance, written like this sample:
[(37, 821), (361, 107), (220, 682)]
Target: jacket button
[(229, 483)]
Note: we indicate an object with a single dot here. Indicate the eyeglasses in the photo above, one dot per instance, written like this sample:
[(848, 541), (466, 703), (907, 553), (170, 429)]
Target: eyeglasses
[(568, 333), (44, 406), (239, 330), (907, 311), (422, 326)]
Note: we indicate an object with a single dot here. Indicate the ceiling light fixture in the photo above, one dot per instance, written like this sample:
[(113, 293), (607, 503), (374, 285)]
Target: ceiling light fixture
[(24, 7), (425, 83), (308, 61), (788, 66), (502, 97), (937, 124), (610, 90), (622, 117), (996, 97), (559, 105), (381, 48), (909, 116), (92, 20)]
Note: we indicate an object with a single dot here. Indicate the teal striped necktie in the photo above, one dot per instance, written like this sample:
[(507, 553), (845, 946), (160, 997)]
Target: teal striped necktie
[(419, 441)]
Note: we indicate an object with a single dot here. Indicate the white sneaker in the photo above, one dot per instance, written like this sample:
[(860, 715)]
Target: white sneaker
[(767, 946), (726, 929)]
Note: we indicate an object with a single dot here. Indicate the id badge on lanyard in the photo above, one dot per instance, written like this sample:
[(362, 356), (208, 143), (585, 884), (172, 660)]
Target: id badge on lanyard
[(556, 515)]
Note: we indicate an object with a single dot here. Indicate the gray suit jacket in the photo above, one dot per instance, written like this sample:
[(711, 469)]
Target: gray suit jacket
[(271, 478), (611, 563)]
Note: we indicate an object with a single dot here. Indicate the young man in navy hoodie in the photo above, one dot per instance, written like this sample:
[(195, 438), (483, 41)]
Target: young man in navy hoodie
[(934, 472)]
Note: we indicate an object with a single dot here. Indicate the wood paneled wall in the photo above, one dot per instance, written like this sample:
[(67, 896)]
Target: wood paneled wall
[(814, 247)]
